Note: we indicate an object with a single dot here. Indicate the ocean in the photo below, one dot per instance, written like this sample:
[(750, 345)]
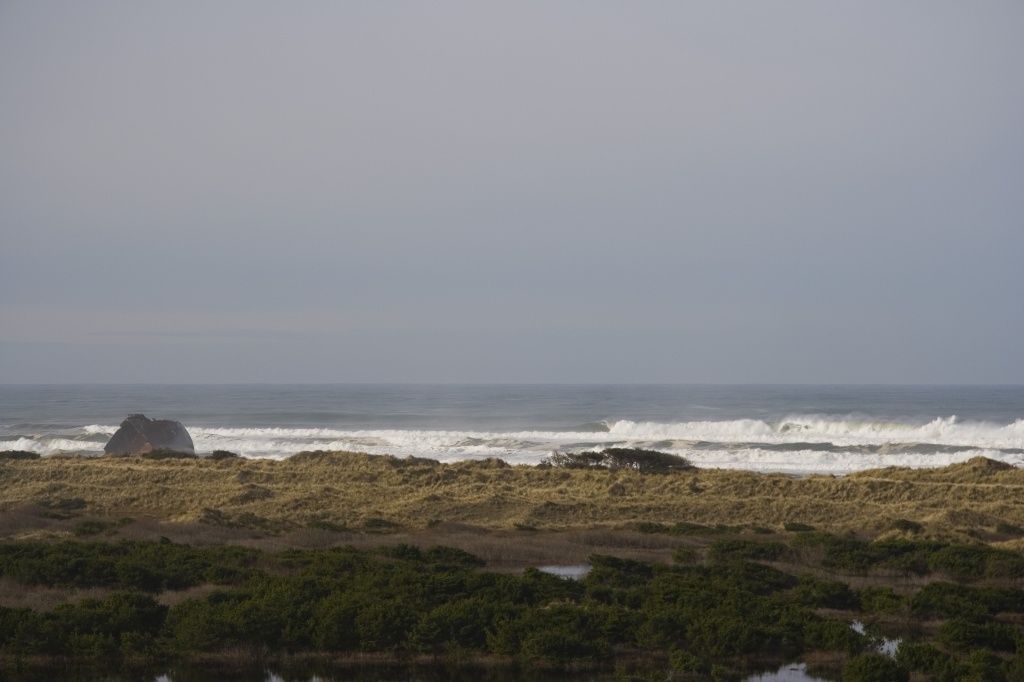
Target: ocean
[(790, 429)]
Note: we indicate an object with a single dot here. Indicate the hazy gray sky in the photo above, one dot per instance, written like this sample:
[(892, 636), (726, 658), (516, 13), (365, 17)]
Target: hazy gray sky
[(512, 192)]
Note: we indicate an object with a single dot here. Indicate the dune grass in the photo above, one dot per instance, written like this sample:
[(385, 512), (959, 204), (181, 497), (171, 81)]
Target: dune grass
[(979, 499)]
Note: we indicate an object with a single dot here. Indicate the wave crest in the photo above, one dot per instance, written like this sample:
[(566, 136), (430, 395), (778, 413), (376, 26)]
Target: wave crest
[(797, 443)]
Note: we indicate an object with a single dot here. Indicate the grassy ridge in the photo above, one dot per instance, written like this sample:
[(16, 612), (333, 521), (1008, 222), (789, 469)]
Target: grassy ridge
[(981, 498)]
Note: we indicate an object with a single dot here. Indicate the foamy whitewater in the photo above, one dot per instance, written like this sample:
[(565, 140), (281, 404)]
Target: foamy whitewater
[(791, 429)]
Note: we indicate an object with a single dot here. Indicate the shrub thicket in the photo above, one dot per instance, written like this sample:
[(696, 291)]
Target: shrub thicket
[(404, 600), (633, 459), (167, 454), (18, 454), (874, 668)]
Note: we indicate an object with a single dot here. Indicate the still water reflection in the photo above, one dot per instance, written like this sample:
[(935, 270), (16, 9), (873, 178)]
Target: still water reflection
[(795, 672)]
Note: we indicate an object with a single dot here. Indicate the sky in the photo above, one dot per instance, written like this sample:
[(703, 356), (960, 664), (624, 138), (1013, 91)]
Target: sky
[(463, 192)]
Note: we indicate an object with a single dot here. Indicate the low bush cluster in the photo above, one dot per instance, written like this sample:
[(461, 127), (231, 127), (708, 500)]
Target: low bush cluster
[(167, 454), (143, 566), (719, 617), (917, 557), (18, 454), (405, 599), (685, 528), (633, 459)]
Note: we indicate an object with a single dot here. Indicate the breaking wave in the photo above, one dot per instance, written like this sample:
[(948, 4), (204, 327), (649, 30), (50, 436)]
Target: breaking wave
[(796, 444)]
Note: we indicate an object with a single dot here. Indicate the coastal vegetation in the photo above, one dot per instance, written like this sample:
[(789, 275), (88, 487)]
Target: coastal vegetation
[(630, 459), (693, 573), (723, 611), (978, 500)]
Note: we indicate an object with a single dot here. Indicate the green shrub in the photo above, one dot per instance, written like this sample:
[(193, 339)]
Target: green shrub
[(947, 600), (320, 524), (403, 551), (452, 557), (833, 635), (746, 550), (874, 668), (147, 566), (796, 527), (460, 623), (685, 556), (907, 526), (562, 633), (577, 460), (927, 658), (67, 504), (684, 528), (830, 594), (404, 600), (965, 635), (167, 454), (18, 454), (650, 527), (380, 525), (685, 662), (857, 556), (1004, 564), (634, 459), (880, 600), (86, 528), (384, 625), (973, 562), (219, 455), (985, 666)]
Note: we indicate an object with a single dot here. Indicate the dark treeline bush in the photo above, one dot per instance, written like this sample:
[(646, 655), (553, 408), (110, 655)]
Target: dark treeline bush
[(797, 527), (146, 566), (684, 528), (18, 454), (747, 550), (404, 600), (167, 454), (982, 665), (970, 562), (907, 526), (961, 634), (874, 668), (951, 600), (920, 557), (124, 624), (634, 459)]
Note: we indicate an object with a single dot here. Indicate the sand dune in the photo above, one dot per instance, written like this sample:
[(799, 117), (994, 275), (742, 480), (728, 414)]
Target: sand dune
[(357, 490)]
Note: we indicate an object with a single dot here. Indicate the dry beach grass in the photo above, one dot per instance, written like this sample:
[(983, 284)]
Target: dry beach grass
[(340, 491)]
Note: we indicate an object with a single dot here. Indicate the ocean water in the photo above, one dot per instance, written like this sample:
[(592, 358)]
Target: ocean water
[(792, 429)]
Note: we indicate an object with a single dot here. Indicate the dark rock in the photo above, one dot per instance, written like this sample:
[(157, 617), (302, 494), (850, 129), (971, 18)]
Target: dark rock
[(138, 434)]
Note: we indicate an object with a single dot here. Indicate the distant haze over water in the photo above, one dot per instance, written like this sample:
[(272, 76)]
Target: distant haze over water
[(797, 429)]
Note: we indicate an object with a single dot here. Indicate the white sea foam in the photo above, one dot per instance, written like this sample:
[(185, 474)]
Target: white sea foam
[(51, 446), (796, 444), (941, 431)]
